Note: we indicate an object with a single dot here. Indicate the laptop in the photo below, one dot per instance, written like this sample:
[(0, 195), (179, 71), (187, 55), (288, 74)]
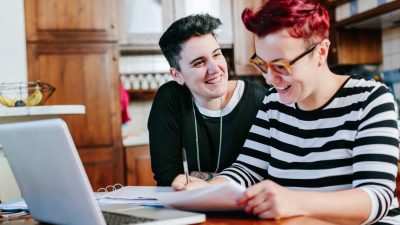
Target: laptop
[(53, 182)]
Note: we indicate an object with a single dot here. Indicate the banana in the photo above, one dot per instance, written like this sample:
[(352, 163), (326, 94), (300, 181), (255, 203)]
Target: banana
[(35, 98), (7, 101)]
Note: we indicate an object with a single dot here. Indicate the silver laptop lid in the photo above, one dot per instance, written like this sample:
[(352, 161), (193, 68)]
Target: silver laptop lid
[(51, 176)]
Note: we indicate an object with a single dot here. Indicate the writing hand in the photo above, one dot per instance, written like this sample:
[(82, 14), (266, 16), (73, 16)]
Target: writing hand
[(179, 183)]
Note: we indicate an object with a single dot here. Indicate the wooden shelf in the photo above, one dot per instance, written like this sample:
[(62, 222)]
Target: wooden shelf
[(370, 14)]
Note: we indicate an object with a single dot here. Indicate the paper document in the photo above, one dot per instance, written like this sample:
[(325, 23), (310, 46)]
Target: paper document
[(220, 197), (139, 195), (135, 193), (16, 204)]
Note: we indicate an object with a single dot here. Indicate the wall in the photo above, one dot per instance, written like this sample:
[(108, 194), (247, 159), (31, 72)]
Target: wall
[(13, 68), (391, 48), (12, 41), (139, 112), (391, 59)]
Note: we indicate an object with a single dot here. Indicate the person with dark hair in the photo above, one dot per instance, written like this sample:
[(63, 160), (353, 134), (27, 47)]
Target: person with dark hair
[(322, 145), (200, 111)]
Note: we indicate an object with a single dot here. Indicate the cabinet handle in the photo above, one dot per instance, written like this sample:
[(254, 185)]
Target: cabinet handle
[(113, 25), (334, 50)]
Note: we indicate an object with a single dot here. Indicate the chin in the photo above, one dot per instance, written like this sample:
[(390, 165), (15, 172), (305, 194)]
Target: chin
[(287, 101)]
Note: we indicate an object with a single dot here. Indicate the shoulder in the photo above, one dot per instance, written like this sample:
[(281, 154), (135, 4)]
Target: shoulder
[(170, 89), (171, 95), (368, 90), (361, 85), (252, 88), (255, 86)]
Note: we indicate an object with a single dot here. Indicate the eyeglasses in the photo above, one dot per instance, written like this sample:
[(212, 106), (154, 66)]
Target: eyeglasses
[(280, 66)]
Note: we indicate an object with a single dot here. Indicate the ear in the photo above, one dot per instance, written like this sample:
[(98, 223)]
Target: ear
[(323, 52), (176, 75)]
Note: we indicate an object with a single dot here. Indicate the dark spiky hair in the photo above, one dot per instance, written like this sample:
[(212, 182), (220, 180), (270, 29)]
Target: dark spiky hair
[(182, 30)]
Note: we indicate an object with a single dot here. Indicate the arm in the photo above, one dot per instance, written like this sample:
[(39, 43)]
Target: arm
[(269, 200), (375, 155), (164, 135), (179, 183)]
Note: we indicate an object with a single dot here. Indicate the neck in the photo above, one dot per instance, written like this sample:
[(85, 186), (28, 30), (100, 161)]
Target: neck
[(323, 93), (220, 102)]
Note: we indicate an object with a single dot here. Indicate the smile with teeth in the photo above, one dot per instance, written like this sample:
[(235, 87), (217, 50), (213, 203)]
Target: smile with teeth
[(214, 80), (282, 88)]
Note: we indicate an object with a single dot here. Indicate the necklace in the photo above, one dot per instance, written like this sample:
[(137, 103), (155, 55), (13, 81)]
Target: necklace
[(197, 138)]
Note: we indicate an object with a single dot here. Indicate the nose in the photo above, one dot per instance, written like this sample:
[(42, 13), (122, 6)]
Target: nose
[(272, 78), (213, 67)]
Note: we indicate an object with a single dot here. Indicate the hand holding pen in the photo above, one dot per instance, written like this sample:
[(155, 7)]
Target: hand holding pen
[(184, 181)]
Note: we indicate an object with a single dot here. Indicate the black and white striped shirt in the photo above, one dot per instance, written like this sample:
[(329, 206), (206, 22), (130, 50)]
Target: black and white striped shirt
[(350, 142)]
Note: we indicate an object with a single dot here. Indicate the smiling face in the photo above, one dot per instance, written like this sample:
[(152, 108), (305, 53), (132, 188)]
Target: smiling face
[(301, 85), (203, 69)]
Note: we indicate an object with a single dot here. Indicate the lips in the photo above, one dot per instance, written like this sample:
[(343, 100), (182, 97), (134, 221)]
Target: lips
[(282, 90), (214, 80)]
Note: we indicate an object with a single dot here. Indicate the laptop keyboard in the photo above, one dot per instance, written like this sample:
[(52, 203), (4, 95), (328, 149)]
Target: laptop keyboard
[(119, 219)]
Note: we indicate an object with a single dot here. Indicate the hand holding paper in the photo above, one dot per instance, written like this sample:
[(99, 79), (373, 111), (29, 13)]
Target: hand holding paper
[(218, 197)]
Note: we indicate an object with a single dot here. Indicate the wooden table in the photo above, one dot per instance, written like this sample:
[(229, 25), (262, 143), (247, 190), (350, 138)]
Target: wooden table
[(237, 219)]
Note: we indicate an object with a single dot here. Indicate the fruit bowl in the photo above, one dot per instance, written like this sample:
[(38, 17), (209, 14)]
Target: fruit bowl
[(19, 94)]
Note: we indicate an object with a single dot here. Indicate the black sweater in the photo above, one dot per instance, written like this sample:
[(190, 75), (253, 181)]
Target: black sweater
[(171, 127)]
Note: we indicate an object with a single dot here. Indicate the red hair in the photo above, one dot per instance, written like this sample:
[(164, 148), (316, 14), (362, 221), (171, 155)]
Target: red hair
[(306, 19)]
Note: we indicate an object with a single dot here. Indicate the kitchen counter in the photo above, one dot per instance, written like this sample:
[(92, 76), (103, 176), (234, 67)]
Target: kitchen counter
[(16, 114), (136, 139)]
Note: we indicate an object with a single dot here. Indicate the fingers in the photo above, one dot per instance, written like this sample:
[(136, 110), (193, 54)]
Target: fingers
[(251, 192), (179, 183), (258, 203)]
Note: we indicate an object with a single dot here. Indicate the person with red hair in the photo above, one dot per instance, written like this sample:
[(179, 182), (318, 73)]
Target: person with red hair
[(322, 145)]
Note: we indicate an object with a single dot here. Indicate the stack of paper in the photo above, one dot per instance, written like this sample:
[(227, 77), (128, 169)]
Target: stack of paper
[(141, 195), (221, 197), (16, 204)]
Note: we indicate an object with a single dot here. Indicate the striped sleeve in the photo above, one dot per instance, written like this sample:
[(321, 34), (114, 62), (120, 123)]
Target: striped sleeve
[(376, 152), (252, 164)]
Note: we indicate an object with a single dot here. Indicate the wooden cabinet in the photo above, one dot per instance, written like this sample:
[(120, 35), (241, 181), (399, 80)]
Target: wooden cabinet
[(243, 39), (73, 45), (72, 20), (138, 166), (358, 39), (356, 46)]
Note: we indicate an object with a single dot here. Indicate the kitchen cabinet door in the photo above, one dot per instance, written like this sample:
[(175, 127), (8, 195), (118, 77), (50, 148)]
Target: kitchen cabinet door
[(138, 166), (356, 46), (71, 20), (243, 44), (86, 74)]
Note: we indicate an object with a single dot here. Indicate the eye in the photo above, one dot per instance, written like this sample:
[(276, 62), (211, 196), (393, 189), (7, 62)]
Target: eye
[(198, 63), (217, 54), (280, 67)]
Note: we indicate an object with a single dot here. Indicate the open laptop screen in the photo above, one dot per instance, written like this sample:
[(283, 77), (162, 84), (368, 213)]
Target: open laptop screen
[(53, 182)]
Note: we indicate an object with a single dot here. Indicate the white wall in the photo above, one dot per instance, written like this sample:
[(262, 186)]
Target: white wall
[(12, 41), (12, 69)]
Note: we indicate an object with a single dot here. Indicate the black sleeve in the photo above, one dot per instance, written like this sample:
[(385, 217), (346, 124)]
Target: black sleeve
[(164, 134)]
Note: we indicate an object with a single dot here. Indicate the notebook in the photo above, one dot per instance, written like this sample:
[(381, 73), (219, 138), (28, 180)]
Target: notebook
[(53, 182)]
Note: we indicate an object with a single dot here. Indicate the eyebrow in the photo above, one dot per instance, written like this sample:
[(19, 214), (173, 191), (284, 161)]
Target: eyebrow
[(275, 60), (194, 60)]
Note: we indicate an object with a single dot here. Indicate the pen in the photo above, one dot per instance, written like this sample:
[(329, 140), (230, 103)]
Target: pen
[(185, 165)]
